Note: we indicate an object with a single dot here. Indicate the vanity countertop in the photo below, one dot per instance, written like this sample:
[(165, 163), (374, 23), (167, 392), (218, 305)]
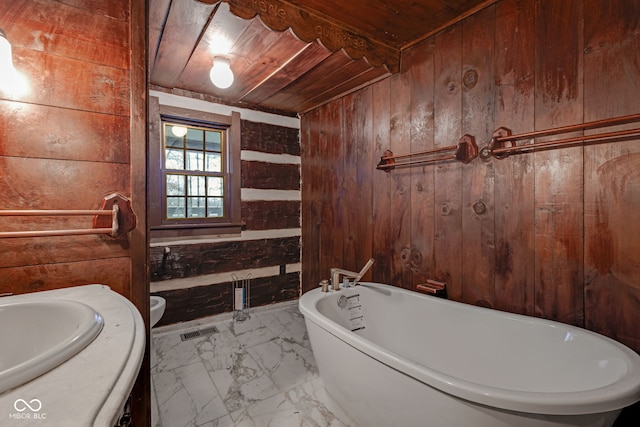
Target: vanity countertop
[(91, 388)]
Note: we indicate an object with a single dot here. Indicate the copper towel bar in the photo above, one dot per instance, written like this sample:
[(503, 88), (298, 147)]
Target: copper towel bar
[(503, 142), (117, 207), (465, 151)]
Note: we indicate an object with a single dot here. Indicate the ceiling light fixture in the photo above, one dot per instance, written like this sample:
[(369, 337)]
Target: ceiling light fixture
[(12, 82), (179, 131), (221, 74)]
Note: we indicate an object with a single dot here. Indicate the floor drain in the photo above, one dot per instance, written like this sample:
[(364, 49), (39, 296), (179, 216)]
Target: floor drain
[(198, 333)]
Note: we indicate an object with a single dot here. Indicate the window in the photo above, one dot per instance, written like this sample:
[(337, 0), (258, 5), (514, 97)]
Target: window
[(194, 173)]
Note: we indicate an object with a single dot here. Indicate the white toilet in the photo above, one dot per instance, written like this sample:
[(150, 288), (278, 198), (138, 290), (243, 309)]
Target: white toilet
[(157, 306)]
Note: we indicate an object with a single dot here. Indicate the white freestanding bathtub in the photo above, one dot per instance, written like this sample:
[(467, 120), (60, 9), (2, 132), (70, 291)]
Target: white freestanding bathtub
[(393, 357)]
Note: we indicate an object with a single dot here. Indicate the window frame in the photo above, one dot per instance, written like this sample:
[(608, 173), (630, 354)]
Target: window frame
[(168, 122), (159, 224)]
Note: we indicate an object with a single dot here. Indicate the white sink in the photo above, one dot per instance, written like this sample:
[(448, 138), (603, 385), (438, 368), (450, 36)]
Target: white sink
[(37, 336)]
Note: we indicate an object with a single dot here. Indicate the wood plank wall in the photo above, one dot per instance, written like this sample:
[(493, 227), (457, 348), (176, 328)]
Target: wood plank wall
[(195, 276), (61, 143), (77, 136), (551, 233)]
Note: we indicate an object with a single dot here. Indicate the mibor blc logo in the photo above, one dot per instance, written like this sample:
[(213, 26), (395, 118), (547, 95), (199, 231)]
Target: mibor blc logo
[(27, 410)]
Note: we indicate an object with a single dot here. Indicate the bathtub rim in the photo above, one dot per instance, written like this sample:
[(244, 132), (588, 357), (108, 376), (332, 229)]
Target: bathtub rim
[(615, 396)]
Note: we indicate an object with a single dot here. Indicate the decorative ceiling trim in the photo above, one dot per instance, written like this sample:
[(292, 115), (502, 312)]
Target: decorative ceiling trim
[(312, 26)]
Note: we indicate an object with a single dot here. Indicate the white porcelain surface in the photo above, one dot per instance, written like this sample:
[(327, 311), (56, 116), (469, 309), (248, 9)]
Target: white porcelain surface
[(90, 388), (496, 365), (157, 306), (39, 335)]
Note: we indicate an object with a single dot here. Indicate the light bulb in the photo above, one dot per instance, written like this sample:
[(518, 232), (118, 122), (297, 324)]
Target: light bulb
[(221, 74), (179, 131), (12, 82)]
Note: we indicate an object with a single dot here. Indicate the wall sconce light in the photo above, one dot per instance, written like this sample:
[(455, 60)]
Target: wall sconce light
[(12, 82), (221, 74), (6, 61)]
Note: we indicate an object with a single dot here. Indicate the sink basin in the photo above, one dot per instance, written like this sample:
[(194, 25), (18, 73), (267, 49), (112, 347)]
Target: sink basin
[(39, 335)]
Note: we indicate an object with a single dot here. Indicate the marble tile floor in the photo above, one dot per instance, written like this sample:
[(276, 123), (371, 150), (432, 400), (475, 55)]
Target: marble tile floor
[(256, 373)]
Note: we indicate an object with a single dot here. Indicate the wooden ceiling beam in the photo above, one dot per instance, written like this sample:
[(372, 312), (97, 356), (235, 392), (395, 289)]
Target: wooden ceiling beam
[(312, 26)]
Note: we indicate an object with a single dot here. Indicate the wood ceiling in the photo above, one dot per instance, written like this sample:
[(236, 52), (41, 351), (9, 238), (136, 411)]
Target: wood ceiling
[(289, 55)]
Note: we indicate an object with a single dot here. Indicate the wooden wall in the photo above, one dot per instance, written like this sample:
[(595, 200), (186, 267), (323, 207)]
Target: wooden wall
[(195, 275), (78, 136), (550, 234)]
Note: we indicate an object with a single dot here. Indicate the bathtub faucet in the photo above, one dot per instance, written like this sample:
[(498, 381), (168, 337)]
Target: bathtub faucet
[(337, 272)]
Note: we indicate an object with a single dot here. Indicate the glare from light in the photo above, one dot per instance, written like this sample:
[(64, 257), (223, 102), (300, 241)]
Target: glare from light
[(12, 82), (221, 74), (179, 131), (15, 85), (219, 45)]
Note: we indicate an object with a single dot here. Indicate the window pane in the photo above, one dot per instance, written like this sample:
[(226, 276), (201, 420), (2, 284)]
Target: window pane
[(175, 185), (196, 185), (213, 141), (215, 186), (195, 138), (172, 140), (174, 159), (195, 207), (195, 160), (215, 207), (214, 162), (175, 207)]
